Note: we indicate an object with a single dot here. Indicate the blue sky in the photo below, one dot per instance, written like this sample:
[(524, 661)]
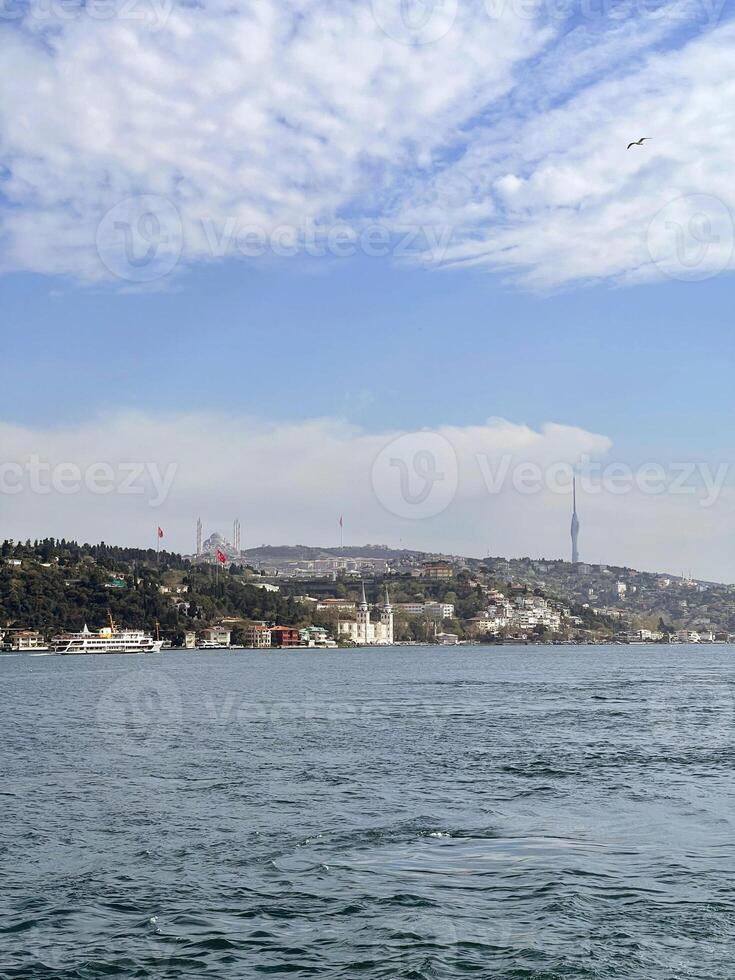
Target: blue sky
[(560, 297), (382, 347)]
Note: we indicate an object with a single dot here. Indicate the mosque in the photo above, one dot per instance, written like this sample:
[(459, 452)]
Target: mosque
[(366, 633)]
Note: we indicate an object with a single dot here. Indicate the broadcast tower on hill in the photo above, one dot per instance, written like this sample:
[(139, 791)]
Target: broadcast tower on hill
[(575, 524)]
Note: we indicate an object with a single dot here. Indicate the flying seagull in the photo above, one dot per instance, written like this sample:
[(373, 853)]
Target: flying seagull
[(639, 142)]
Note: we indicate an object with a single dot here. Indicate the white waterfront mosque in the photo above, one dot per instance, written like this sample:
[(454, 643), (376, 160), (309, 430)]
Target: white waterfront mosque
[(366, 633)]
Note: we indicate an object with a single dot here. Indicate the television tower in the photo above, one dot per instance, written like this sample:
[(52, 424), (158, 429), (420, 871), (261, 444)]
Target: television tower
[(199, 536), (575, 524)]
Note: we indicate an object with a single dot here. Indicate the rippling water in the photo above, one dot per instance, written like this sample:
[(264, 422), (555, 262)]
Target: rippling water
[(529, 812)]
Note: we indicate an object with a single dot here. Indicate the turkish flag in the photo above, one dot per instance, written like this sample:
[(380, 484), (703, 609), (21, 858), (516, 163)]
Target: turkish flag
[(221, 556), (160, 532)]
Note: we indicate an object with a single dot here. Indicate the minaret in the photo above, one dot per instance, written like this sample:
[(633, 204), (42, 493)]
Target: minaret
[(199, 535), (386, 619), (363, 618), (575, 524)]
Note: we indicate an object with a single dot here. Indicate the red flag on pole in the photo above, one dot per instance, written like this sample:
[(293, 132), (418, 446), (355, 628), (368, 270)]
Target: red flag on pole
[(160, 532), (221, 556)]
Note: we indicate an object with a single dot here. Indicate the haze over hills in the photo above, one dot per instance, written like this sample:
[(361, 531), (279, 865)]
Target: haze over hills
[(299, 552)]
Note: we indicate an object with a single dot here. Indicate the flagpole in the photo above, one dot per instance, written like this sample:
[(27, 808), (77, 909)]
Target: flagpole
[(158, 542)]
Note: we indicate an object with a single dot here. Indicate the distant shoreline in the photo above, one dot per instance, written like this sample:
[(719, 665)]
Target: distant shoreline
[(383, 648)]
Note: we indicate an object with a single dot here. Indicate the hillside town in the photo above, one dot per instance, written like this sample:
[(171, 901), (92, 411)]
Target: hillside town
[(308, 598)]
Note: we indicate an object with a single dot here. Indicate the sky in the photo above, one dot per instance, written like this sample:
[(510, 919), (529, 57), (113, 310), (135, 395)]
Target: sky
[(391, 261)]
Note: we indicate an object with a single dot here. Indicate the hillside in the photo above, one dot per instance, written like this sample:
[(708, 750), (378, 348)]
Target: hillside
[(54, 584)]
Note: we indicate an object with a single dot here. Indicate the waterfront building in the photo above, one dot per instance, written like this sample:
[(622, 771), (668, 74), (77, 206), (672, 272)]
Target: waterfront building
[(316, 636), (285, 636), (215, 637), (257, 636), (363, 631), (23, 641)]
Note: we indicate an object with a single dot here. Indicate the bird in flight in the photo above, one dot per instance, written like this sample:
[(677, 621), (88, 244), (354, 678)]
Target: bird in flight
[(639, 142)]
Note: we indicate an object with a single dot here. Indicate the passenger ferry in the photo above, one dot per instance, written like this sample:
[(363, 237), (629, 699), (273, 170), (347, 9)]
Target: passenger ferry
[(107, 640)]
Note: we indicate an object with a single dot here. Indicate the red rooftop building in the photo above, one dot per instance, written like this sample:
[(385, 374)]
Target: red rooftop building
[(285, 636)]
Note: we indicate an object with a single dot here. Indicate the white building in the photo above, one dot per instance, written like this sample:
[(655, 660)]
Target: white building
[(341, 605), (434, 610), (316, 636), (215, 637), (447, 639), (363, 631), (21, 640)]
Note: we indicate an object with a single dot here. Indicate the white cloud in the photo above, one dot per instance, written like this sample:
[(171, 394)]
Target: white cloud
[(267, 114), (509, 127), (570, 202), (499, 486)]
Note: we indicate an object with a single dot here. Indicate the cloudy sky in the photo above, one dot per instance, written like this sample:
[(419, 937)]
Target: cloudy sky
[(286, 261)]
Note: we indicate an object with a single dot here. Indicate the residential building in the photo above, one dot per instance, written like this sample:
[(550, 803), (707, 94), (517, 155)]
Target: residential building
[(215, 637), (436, 570), (285, 636), (316, 636), (434, 610), (257, 636), (25, 640)]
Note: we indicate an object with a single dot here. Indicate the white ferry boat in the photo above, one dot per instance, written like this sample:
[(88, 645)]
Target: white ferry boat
[(107, 640)]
